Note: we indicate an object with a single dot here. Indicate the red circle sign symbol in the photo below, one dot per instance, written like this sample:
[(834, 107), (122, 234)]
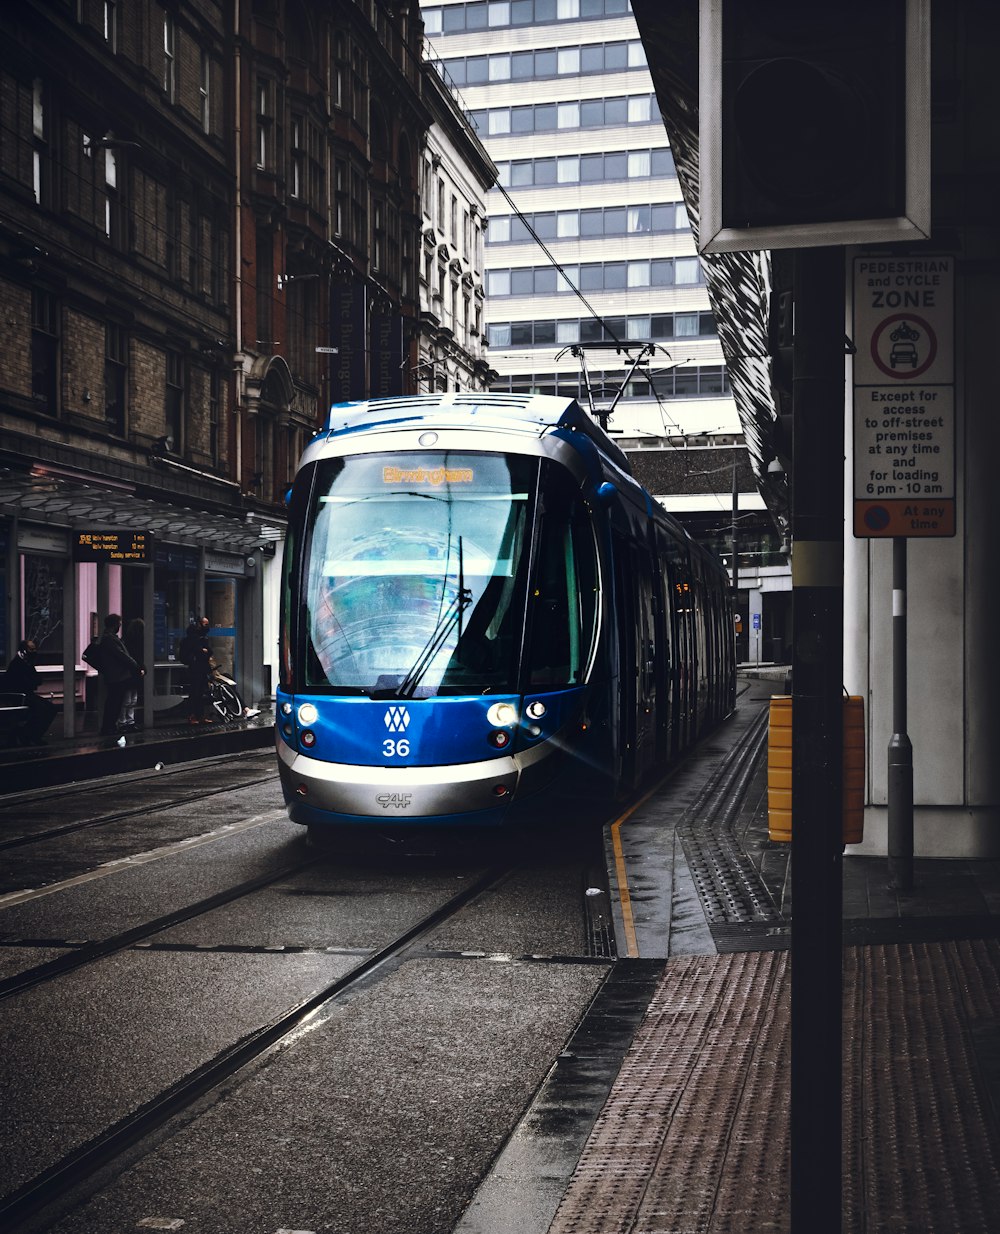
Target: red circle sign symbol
[(906, 350)]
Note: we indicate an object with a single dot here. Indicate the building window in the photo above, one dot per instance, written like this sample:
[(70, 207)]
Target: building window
[(173, 403), (265, 122), (541, 333), (111, 15), (297, 186), (115, 379), (340, 71), (205, 93), (265, 433), (217, 270), (44, 352), (340, 197), (170, 57), (113, 221), (378, 235), (40, 179), (214, 416), (315, 167), (392, 238), (359, 207), (265, 286), (42, 588)]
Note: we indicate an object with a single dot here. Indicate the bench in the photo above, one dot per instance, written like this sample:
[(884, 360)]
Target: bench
[(13, 712)]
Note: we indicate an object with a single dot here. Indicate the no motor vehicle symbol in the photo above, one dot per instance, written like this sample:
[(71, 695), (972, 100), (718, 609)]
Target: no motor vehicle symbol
[(904, 346)]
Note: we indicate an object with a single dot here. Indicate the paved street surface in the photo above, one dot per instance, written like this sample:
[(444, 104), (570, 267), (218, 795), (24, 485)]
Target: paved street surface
[(694, 1134), (500, 1076)]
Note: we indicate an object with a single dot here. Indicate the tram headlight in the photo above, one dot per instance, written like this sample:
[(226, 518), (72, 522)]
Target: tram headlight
[(286, 709), (536, 709), (502, 714), (308, 714)]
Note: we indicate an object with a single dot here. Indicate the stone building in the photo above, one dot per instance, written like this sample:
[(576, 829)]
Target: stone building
[(210, 229), (456, 175)]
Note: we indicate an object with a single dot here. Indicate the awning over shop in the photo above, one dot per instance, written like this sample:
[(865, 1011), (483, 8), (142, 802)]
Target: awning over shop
[(55, 496)]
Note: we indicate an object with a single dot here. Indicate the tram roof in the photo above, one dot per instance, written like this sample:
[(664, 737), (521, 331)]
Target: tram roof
[(531, 413)]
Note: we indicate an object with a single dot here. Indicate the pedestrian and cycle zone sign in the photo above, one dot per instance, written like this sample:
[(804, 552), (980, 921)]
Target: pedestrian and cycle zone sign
[(904, 396)]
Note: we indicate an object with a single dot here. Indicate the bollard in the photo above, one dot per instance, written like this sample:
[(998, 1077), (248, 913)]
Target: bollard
[(779, 769)]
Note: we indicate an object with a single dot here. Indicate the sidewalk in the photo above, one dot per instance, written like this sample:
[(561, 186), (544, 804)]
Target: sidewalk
[(88, 755), (686, 1128)]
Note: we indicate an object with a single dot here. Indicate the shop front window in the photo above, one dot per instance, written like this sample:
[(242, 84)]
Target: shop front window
[(221, 611), (42, 605), (175, 598)]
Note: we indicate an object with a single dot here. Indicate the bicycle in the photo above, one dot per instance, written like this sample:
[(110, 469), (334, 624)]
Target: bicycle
[(223, 695)]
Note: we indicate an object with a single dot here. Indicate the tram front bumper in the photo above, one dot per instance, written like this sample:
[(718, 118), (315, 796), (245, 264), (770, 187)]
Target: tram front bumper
[(399, 794)]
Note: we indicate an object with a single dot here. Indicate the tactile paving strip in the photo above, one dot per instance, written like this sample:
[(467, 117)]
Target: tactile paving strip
[(694, 1136), (729, 884)]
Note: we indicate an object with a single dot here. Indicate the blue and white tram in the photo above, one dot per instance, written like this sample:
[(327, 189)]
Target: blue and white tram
[(486, 620)]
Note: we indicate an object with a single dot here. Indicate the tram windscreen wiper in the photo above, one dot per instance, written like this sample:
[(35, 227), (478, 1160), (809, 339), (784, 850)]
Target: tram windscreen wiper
[(449, 619)]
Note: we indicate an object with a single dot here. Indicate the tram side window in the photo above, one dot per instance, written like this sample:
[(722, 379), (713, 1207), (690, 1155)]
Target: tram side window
[(564, 588)]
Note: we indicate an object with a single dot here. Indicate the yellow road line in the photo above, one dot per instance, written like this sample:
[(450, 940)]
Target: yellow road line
[(621, 874)]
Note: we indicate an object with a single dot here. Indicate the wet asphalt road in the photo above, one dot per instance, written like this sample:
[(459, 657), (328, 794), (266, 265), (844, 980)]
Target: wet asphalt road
[(385, 1108)]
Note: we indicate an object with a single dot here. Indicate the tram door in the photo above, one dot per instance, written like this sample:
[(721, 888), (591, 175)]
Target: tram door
[(637, 660), (628, 661), (646, 677)]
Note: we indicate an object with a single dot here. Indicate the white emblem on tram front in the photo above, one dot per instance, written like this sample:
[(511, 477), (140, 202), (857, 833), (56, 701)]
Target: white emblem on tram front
[(396, 719), (394, 801)]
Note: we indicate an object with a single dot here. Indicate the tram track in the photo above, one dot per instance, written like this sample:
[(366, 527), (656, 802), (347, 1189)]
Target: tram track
[(68, 1182), (90, 952), (119, 816), (115, 816)]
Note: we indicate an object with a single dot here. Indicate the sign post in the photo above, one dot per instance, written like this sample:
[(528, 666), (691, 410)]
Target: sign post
[(904, 461), (904, 397)]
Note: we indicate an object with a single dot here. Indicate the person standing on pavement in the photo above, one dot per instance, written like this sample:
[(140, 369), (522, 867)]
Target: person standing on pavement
[(134, 645), (196, 653), (22, 677), (117, 669)]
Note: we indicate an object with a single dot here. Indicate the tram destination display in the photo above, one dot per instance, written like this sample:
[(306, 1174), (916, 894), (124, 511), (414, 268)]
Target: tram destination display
[(115, 547)]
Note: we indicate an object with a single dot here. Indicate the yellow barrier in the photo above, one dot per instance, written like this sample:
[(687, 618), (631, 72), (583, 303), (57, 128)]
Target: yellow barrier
[(779, 769)]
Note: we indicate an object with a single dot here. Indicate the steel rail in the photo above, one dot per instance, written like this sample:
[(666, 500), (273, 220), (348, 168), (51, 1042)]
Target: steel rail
[(55, 792), (91, 952), (83, 824), (66, 1177)]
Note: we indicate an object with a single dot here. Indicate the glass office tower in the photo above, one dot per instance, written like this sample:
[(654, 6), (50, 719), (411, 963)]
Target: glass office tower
[(589, 255)]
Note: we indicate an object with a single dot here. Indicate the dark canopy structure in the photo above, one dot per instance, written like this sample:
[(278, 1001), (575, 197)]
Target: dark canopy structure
[(739, 284)]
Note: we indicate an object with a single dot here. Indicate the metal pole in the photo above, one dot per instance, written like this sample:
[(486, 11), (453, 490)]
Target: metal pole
[(900, 820), (817, 741), (736, 567)]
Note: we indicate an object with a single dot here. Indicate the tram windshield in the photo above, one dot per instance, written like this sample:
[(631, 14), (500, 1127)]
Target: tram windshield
[(415, 573)]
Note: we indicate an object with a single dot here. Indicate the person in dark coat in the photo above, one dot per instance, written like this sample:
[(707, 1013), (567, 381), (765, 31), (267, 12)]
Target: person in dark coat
[(196, 653), (117, 669), (22, 677), (134, 645)]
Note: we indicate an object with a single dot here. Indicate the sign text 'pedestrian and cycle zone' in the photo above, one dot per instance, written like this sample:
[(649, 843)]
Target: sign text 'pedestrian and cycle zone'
[(904, 397)]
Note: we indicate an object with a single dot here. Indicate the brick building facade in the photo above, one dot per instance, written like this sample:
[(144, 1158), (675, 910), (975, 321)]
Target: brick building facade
[(210, 229)]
